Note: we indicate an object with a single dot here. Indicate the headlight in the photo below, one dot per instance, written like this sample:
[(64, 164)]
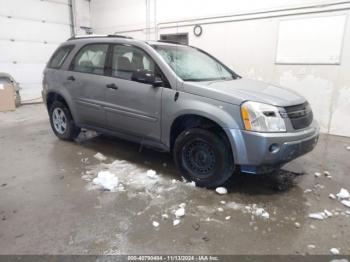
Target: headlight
[(262, 117)]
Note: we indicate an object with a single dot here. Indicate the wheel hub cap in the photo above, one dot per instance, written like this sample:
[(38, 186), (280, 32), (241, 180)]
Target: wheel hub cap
[(199, 157), (59, 120)]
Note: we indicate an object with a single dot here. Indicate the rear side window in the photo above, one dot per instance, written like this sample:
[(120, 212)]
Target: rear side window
[(59, 56), (91, 59)]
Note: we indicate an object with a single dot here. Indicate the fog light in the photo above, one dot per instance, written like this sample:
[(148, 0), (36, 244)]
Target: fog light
[(274, 148)]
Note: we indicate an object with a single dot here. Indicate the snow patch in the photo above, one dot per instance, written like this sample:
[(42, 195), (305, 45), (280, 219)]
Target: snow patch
[(106, 180), (155, 224), (345, 203), (221, 190), (100, 157), (332, 196), (180, 212), (260, 212), (151, 174), (321, 215), (334, 251), (343, 194), (176, 222)]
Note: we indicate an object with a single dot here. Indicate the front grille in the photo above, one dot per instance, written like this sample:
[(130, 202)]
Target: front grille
[(300, 115)]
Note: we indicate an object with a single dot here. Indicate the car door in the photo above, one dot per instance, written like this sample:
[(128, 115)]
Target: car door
[(132, 107), (86, 83)]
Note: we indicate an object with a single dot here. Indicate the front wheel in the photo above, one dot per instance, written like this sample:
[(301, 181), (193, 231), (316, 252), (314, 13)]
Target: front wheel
[(62, 122), (203, 157)]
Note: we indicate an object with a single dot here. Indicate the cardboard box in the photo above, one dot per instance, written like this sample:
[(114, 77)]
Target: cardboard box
[(7, 101)]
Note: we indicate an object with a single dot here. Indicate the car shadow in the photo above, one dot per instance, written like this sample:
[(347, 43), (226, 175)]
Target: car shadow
[(262, 184)]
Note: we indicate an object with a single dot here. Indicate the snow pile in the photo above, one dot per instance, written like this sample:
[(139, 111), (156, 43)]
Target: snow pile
[(176, 222), (100, 157), (221, 190), (106, 180), (321, 215), (155, 224)]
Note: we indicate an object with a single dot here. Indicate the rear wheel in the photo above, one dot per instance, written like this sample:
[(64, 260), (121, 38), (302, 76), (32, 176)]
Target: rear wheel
[(203, 157), (62, 122)]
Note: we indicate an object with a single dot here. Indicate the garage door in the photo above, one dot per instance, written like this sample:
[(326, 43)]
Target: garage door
[(30, 31)]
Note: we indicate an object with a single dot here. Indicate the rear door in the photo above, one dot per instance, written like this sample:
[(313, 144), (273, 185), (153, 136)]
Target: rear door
[(132, 107), (86, 83)]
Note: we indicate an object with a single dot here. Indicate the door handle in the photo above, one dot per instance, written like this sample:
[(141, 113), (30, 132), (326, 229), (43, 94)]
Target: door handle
[(71, 78), (112, 86)]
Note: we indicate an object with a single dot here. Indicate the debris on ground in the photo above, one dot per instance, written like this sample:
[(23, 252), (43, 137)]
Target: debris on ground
[(328, 214), (85, 160), (221, 190), (228, 218), (321, 215), (334, 251), (180, 212), (151, 174), (343, 194), (327, 174), (165, 216), (332, 196), (183, 205), (220, 209), (297, 225), (107, 180), (345, 203), (317, 174), (100, 157), (155, 224), (306, 191), (223, 202), (260, 212), (176, 222), (311, 246)]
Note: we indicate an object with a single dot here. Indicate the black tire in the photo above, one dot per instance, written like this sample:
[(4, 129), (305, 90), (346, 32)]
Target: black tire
[(71, 131), (203, 157)]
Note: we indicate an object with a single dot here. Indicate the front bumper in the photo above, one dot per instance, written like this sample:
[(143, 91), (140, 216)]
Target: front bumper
[(253, 149)]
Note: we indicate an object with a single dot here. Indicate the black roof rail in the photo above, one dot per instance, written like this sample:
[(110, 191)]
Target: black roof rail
[(98, 36), (121, 36), (170, 42)]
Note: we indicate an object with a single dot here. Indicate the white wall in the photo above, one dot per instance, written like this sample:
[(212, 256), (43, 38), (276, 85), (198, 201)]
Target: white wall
[(246, 40)]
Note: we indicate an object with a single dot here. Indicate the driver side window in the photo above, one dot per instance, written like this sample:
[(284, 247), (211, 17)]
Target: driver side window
[(127, 59)]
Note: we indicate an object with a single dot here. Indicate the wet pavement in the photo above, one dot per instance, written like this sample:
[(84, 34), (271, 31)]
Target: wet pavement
[(48, 204)]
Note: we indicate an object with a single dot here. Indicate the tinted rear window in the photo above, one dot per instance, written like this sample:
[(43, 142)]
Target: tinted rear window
[(59, 56)]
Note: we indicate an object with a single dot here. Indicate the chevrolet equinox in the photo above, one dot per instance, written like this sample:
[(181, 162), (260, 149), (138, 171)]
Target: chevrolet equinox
[(178, 99)]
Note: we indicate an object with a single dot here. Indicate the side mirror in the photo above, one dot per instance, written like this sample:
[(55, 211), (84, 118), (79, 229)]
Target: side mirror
[(146, 77)]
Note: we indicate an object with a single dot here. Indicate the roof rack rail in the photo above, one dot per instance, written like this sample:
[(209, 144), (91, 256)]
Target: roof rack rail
[(98, 36), (121, 36), (170, 42)]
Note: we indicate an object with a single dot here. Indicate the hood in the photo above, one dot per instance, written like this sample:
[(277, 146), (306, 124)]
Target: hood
[(240, 90)]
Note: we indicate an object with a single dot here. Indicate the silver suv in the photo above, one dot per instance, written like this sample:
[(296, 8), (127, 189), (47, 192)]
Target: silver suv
[(179, 99)]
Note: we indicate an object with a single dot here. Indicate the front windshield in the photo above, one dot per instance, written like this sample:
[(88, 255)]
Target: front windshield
[(190, 64)]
